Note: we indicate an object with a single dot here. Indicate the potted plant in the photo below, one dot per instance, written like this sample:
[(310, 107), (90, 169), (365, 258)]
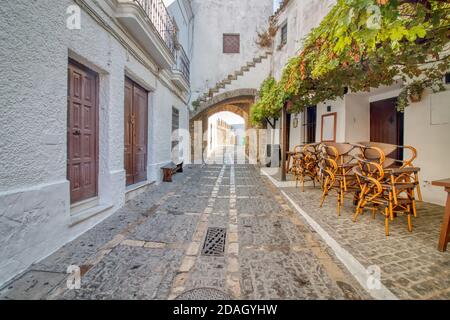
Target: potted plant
[(415, 91)]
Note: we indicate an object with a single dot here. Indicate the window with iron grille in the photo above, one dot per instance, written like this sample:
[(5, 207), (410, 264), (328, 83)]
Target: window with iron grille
[(231, 43), (175, 126), (284, 34)]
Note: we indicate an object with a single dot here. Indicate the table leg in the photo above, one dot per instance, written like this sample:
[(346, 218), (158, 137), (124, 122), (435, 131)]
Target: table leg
[(443, 240)]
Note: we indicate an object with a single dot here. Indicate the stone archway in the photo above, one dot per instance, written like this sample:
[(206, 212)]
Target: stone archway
[(237, 101)]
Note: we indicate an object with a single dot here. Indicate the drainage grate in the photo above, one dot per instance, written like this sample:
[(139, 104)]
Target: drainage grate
[(215, 242)]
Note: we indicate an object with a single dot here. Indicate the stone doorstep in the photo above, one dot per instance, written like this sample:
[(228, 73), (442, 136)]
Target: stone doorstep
[(88, 213)]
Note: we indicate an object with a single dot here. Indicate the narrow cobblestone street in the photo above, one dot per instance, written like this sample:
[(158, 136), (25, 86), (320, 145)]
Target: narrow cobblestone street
[(153, 247)]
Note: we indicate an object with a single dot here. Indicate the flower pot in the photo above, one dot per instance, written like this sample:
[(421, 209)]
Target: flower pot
[(415, 98)]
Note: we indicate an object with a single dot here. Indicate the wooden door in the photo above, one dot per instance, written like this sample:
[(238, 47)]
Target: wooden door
[(136, 132), (310, 124), (82, 132), (386, 124)]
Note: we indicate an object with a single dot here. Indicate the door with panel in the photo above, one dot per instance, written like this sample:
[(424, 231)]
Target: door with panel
[(136, 132), (386, 124), (82, 132)]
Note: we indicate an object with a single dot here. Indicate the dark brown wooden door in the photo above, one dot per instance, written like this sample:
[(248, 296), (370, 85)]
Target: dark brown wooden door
[(82, 132), (386, 123), (136, 132)]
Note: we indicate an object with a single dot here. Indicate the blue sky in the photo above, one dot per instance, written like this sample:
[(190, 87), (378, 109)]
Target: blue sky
[(276, 3)]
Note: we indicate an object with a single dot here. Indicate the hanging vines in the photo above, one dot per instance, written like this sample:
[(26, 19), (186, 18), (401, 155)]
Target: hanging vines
[(363, 44)]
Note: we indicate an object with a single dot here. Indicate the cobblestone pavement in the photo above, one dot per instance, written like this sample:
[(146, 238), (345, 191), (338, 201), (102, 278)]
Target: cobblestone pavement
[(411, 266), (153, 247)]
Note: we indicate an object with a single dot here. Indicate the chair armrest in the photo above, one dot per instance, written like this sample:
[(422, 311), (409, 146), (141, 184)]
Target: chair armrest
[(402, 170)]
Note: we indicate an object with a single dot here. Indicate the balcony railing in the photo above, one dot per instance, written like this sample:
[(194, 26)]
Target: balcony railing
[(183, 63), (160, 18)]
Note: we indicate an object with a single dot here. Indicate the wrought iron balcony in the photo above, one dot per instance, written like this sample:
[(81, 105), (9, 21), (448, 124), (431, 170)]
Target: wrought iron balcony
[(183, 64), (159, 16)]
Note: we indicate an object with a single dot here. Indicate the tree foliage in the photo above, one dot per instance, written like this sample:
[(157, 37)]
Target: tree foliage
[(363, 44)]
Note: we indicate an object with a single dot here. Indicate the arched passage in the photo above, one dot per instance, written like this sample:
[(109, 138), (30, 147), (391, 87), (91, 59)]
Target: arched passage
[(237, 102)]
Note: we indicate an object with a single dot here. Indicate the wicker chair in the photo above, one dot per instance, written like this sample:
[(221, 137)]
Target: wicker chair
[(306, 165), (377, 192), (336, 172), (403, 176)]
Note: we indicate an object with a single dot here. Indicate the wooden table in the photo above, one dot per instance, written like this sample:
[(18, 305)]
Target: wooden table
[(444, 238)]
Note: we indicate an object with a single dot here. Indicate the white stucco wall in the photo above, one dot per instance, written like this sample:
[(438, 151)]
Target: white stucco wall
[(35, 46), (301, 16), (338, 107), (296, 136), (251, 79), (357, 118), (213, 18), (427, 128)]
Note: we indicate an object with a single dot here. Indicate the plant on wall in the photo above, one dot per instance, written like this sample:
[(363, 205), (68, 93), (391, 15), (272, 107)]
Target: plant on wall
[(363, 44), (196, 104), (265, 38), (271, 100)]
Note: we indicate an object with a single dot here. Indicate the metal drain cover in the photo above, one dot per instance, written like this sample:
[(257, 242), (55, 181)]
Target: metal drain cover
[(215, 242), (204, 294)]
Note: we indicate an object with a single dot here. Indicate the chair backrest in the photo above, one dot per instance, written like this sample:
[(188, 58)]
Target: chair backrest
[(369, 169), (328, 168), (389, 151), (328, 151), (298, 149), (343, 148)]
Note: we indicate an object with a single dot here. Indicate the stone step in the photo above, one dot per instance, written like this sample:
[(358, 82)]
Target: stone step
[(232, 77)]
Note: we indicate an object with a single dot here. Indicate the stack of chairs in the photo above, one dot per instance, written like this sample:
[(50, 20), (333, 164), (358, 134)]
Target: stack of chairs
[(385, 183), (336, 164), (305, 164), (369, 172)]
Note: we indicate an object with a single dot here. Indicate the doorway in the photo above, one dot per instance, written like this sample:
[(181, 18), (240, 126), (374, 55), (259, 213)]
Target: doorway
[(82, 132), (387, 124), (136, 132), (310, 125)]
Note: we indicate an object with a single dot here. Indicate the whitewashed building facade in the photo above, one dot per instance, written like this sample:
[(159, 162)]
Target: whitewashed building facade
[(424, 125), (76, 76)]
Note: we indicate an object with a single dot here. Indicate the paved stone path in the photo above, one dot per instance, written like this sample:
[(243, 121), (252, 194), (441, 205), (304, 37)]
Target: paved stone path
[(152, 248), (410, 264)]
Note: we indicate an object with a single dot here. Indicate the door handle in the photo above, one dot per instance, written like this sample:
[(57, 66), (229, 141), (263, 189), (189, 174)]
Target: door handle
[(77, 132)]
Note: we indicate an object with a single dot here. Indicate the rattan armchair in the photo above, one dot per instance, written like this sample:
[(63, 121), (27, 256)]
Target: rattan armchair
[(336, 172), (306, 165), (378, 192)]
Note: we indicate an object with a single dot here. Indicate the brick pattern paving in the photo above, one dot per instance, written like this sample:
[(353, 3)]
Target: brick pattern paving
[(411, 265), (151, 249)]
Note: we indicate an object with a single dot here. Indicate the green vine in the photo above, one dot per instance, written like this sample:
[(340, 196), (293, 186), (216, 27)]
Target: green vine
[(363, 44)]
